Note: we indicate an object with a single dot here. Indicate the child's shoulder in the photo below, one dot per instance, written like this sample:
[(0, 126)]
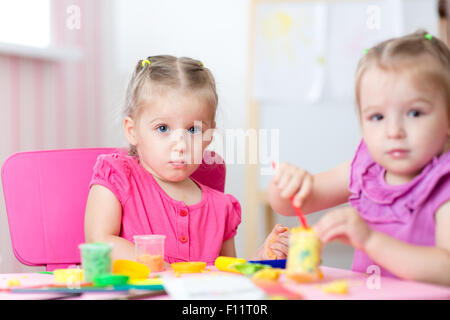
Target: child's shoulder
[(118, 162), (360, 165)]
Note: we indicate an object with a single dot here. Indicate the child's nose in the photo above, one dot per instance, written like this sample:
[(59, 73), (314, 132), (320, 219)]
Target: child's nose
[(179, 141), (395, 129)]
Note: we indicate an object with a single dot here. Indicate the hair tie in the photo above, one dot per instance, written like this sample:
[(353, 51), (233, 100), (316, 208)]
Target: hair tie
[(428, 36), (201, 64), (146, 61), (366, 51)]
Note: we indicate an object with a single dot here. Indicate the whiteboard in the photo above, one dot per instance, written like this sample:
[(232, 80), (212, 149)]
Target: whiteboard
[(307, 51)]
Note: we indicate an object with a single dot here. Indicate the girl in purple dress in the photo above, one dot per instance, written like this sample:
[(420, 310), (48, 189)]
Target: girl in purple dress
[(398, 183)]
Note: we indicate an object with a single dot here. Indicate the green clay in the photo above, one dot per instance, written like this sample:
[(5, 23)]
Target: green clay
[(109, 279), (249, 268), (95, 259)]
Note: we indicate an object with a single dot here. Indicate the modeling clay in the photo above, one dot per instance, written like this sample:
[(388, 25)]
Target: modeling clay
[(304, 255), (248, 269), (96, 259), (225, 263), (154, 262), (109, 279), (68, 276), (14, 282), (338, 286), (133, 269), (145, 282), (188, 267), (267, 274)]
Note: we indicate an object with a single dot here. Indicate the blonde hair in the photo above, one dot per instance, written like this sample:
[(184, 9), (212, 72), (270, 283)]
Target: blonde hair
[(419, 53), (157, 73)]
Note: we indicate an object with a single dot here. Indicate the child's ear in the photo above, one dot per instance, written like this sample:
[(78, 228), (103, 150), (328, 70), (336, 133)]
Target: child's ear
[(129, 127)]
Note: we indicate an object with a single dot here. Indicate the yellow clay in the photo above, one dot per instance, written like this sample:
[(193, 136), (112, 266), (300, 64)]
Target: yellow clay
[(226, 263), (267, 274), (68, 276), (145, 282), (133, 269), (338, 286), (14, 282), (188, 267)]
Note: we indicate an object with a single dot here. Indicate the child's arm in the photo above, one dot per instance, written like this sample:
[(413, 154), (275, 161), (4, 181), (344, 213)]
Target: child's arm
[(411, 262), (102, 222), (312, 193), (228, 248), (419, 263)]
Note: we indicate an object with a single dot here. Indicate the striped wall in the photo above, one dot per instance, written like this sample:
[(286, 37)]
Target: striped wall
[(50, 104)]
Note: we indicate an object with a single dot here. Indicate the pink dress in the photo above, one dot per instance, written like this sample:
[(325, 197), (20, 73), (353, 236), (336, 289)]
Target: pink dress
[(405, 212), (193, 232)]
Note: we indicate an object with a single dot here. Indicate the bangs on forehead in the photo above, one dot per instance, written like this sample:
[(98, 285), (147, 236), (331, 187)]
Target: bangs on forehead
[(424, 71), (151, 91)]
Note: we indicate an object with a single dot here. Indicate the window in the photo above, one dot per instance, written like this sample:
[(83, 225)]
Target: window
[(25, 22)]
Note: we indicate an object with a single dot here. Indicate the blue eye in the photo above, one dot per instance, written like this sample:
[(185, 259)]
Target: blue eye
[(162, 129), (414, 113), (376, 117), (194, 130)]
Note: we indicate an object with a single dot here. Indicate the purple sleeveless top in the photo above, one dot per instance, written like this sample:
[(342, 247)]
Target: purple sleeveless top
[(405, 212)]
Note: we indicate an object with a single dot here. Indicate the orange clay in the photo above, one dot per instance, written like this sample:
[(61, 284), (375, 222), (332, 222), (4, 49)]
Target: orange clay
[(154, 262), (270, 253)]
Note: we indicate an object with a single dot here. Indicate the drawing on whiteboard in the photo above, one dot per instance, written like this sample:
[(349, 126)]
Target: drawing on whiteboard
[(289, 52)]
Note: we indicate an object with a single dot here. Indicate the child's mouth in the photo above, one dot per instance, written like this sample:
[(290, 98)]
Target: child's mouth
[(398, 153), (179, 164)]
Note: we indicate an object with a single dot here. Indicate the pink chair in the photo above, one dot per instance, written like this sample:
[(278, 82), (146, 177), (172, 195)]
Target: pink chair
[(45, 195)]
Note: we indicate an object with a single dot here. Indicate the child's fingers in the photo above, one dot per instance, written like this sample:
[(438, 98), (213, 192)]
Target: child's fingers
[(279, 228), (284, 179), (280, 246), (283, 236), (339, 232), (292, 186), (330, 221), (280, 254), (304, 191), (279, 171)]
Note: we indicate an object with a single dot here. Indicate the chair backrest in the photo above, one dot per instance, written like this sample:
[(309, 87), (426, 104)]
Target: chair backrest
[(45, 196)]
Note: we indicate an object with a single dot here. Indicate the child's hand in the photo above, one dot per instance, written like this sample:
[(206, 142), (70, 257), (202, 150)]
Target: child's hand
[(293, 181), (276, 245), (346, 225)]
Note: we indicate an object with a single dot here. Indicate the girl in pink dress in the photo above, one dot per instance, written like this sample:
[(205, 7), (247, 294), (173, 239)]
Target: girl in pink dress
[(398, 183), (169, 119)]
